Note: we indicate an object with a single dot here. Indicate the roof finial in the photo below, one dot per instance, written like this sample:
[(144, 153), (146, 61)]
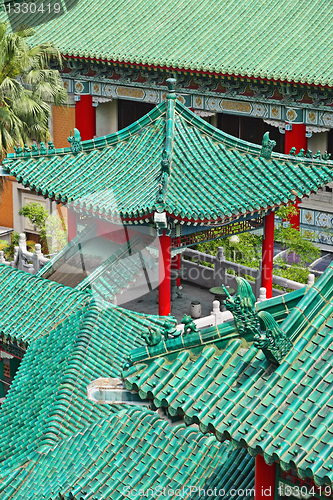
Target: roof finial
[(171, 83), (267, 147)]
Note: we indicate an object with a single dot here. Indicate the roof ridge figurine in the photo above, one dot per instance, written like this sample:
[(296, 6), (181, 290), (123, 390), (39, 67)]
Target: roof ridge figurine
[(267, 146), (273, 341), (261, 328), (169, 330), (75, 141)]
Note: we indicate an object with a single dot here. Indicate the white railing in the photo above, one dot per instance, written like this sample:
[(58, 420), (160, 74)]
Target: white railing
[(25, 260), (195, 272)]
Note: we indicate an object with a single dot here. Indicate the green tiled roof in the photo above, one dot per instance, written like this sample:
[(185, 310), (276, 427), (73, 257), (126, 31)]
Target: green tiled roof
[(47, 400), (54, 439), (31, 306), (132, 450), (212, 176), (279, 307), (285, 40), (229, 387)]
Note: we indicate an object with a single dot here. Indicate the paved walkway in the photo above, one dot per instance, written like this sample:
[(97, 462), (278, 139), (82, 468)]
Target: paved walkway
[(137, 299)]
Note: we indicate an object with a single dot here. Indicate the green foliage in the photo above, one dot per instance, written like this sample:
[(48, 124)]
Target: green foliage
[(292, 272), (293, 241), (52, 233), (286, 212), (8, 248), (37, 215), (27, 86), (246, 251)]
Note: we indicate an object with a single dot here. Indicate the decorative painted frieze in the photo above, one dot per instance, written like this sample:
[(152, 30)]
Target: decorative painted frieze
[(317, 226), (216, 99)]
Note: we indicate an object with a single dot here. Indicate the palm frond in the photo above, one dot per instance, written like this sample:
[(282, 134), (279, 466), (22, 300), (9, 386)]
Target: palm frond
[(27, 88), (24, 31), (10, 89)]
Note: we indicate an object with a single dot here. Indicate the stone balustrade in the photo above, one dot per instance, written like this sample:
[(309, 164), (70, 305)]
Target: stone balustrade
[(224, 271), (24, 260)]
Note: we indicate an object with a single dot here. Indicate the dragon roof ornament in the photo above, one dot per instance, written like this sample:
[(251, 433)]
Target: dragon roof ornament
[(267, 146), (260, 327), (75, 141)]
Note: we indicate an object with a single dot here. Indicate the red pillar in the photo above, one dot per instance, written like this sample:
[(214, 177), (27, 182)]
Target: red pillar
[(264, 479), (176, 265), (71, 224), (295, 138), (164, 302), (267, 254), (179, 265), (85, 117)]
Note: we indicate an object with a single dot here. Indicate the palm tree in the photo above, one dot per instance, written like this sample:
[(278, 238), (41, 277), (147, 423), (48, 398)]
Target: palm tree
[(27, 87)]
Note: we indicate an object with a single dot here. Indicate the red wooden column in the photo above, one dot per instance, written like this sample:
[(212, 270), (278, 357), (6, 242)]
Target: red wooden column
[(164, 302), (71, 224), (85, 117), (295, 138), (267, 254), (264, 479), (179, 265), (176, 263)]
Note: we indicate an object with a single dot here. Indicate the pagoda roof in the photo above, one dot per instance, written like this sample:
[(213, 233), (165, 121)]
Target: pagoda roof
[(170, 160), (134, 449), (68, 346), (55, 440), (22, 295), (222, 381), (282, 41)]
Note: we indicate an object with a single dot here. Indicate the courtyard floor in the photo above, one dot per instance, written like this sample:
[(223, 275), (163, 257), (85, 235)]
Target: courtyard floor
[(137, 299)]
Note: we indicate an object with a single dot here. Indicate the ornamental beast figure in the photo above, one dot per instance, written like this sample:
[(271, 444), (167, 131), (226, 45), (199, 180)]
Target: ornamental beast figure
[(152, 337), (273, 341), (169, 330), (75, 141), (242, 307), (189, 325), (267, 146), (260, 327)]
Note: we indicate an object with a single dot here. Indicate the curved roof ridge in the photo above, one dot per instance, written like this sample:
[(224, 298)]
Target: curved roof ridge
[(233, 142), (214, 133), (99, 142), (167, 153)]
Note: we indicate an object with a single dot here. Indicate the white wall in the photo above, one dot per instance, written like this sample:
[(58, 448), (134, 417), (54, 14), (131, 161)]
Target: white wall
[(318, 142), (107, 118), (21, 196)]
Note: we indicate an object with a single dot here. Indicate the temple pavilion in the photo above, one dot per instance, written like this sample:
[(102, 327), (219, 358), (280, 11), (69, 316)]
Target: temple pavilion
[(259, 383), (245, 72), (173, 174)]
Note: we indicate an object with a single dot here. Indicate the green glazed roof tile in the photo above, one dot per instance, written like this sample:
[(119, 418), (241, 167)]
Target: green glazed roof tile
[(213, 176), (53, 439), (72, 342), (134, 449), (23, 294), (255, 42), (231, 389)]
